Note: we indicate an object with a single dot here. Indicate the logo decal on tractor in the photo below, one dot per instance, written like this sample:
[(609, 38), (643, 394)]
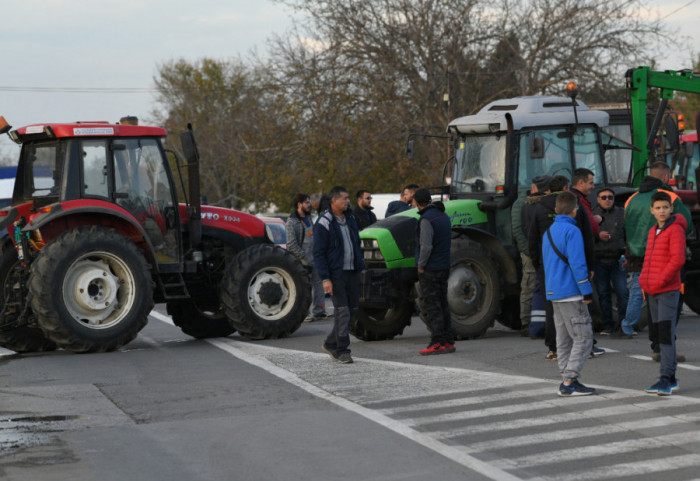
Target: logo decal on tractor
[(94, 131), (461, 218)]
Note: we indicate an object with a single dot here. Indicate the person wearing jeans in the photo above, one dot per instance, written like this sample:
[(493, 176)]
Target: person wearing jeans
[(609, 246), (338, 259)]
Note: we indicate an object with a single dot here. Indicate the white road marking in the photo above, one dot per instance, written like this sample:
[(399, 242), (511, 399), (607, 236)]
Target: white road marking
[(680, 365), (474, 417), (450, 452)]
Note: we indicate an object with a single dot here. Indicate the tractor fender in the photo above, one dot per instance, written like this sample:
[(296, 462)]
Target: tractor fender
[(59, 218), (232, 238), (506, 263)]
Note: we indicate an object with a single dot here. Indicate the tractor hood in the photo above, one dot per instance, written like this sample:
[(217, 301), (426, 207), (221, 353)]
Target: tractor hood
[(395, 235)]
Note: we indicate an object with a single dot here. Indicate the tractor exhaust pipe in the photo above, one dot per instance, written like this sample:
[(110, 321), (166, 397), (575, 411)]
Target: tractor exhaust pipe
[(194, 210)]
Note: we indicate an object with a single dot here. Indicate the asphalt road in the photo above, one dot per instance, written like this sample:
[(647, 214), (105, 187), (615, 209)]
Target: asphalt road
[(171, 407)]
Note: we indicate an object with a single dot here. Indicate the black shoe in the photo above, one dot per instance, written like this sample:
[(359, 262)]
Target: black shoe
[(575, 389)]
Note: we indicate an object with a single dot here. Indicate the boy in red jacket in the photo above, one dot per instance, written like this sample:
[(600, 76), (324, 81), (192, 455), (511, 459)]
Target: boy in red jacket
[(661, 281)]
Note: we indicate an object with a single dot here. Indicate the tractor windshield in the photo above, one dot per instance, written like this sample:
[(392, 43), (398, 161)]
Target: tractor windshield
[(558, 151), (480, 164)]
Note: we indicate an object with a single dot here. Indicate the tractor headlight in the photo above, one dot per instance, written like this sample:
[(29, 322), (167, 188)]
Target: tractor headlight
[(370, 250)]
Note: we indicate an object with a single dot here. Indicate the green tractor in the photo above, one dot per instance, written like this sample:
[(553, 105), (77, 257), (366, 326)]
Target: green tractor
[(497, 152)]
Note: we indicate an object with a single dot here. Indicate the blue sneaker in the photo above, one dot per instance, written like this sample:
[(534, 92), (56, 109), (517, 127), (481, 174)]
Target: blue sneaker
[(663, 387), (575, 389), (596, 351)]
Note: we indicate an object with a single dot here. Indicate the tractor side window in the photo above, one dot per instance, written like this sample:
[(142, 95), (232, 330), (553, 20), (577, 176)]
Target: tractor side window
[(587, 152), (95, 168), (480, 164), (46, 161), (543, 152), (139, 172)]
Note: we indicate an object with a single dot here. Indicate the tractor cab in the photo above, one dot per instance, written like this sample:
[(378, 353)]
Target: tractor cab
[(116, 172)]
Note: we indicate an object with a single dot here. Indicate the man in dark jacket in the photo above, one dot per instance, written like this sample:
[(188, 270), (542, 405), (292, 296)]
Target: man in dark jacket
[(540, 185), (363, 212), (582, 184), (404, 204), (433, 242), (544, 215), (609, 246), (300, 242), (338, 259)]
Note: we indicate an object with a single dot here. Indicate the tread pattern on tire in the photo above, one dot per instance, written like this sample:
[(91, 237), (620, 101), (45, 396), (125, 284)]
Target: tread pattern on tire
[(234, 292), (42, 284)]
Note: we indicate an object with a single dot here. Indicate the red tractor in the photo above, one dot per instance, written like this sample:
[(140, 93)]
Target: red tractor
[(95, 235)]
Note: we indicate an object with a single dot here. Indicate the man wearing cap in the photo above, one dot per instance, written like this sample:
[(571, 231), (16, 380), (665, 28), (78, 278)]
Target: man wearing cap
[(521, 218), (433, 242), (609, 246)]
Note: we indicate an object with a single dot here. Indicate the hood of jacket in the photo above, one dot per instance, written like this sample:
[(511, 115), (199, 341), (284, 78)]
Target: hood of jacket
[(650, 183)]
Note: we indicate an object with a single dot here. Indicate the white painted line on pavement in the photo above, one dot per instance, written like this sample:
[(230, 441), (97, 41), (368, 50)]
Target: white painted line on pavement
[(445, 450), (680, 365)]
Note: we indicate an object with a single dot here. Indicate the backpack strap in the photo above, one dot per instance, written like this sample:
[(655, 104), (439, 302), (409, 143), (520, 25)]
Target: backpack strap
[(557, 251)]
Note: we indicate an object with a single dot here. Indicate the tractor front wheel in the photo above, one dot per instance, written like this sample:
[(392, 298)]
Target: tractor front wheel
[(266, 292), (91, 289)]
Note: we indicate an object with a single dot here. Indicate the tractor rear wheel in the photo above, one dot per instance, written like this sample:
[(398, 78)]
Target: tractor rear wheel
[(20, 338), (473, 289), (372, 324), (266, 292), (91, 289), (200, 319)]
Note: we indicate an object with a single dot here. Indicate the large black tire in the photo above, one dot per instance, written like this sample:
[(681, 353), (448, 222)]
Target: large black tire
[(266, 292), (25, 338), (371, 324), (91, 289), (199, 320), (473, 290)]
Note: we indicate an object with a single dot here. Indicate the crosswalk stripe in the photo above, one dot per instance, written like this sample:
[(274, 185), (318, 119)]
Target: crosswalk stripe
[(600, 449), (566, 433), (483, 420)]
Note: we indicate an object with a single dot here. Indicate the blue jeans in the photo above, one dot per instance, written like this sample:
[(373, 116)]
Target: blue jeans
[(634, 305), (664, 312), (318, 306), (346, 300), (607, 274)]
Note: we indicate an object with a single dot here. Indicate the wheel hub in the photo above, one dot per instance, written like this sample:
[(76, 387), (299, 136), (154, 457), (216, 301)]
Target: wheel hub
[(464, 290), (268, 294), (95, 288)]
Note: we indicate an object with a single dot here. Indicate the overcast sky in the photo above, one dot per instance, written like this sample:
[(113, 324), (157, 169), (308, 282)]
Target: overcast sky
[(53, 52)]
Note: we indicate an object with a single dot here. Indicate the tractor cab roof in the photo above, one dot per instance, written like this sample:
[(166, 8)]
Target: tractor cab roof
[(532, 111), (83, 129)]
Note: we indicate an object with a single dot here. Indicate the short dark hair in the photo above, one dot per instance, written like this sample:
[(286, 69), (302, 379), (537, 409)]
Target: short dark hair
[(361, 193), (606, 189), (660, 196), (411, 187), (336, 191), (566, 203), (659, 168), (299, 198), (558, 183), (581, 174)]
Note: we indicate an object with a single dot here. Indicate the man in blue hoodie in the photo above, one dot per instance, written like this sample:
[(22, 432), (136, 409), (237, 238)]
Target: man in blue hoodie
[(569, 288)]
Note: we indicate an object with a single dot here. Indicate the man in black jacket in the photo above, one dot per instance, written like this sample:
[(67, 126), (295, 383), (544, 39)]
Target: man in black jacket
[(609, 246), (433, 243), (363, 212)]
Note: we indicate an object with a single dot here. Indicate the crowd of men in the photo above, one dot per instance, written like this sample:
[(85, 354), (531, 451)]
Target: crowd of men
[(565, 242), (613, 247)]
